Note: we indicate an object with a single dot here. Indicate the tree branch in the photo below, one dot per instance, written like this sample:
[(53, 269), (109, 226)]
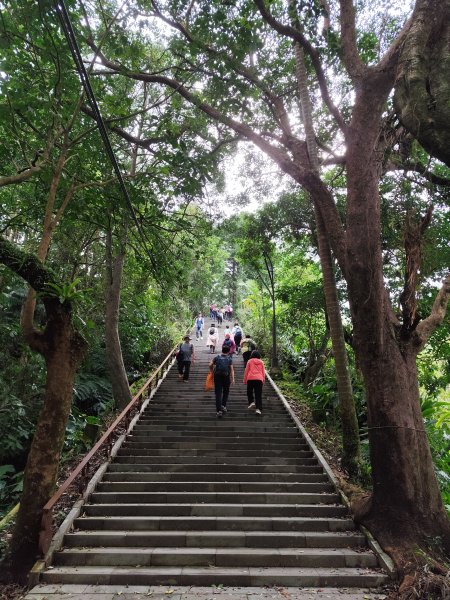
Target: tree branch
[(426, 327), (27, 265), (275, 102), (353, 63), (280, 156), (414, 231), (393, 165), (297, 36), (20, 177)]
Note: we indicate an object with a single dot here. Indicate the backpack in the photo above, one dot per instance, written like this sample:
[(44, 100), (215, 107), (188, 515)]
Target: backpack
[(227, 343), (199, 322), (238, 331), (212, 331), (182, 355), (222, 365), (250, 346)]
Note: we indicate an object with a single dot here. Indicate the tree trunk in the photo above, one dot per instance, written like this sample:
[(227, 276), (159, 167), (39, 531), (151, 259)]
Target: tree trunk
[(275, 365), (63, 349), (119, 380), (402, 467), (406, 506), (50, 222), (350, 429), (233, 287)]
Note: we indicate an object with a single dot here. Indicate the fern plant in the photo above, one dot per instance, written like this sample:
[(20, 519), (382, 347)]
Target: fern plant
[(93, 394)]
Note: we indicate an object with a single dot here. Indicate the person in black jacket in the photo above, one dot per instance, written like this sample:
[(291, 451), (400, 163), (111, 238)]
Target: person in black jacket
[(222, 366)]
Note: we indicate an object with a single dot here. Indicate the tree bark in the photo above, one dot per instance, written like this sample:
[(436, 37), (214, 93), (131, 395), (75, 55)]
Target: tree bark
[(350, 429), (63, 349), (274, 363), (119, 380), (51, 220), (422, 89), (402, 467)]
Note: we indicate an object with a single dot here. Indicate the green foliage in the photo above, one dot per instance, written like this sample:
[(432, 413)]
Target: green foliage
[(437, 422), (78, 439), (92, 394), (66, 291), (10, 488), (15, 428)]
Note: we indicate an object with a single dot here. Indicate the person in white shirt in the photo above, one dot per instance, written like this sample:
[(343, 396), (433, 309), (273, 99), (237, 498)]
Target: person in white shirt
[(213, 338)]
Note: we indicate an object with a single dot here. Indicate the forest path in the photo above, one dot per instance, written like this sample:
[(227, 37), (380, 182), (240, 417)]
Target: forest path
[(194, 500)]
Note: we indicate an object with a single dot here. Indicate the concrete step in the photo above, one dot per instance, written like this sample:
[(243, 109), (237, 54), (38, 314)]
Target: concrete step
[(213, 497), (198, 576), (201, 467), (247, 418), (205, 486), (216, 510), (219, 557), (219, 477), (220, 452), (216, 425), (134, 523), (216, 539), (200, 411), (216, 460), (224, 436), (233, 444)]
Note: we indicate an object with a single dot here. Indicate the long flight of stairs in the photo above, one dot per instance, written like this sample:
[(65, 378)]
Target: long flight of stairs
[(191, 499)]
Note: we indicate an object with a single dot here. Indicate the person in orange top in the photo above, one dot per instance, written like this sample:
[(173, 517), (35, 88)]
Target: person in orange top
[(254, 377)]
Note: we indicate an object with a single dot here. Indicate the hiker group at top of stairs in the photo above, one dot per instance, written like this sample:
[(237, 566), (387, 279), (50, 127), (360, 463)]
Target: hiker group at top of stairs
[(190, 499)]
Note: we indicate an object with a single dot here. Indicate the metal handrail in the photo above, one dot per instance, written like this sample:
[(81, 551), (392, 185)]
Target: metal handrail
[(46, 533)]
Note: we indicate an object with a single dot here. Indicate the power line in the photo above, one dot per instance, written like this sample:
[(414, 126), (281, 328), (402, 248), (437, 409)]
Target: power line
[(69, 33)]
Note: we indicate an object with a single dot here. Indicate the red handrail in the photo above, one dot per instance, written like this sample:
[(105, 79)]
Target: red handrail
[(46, 533)]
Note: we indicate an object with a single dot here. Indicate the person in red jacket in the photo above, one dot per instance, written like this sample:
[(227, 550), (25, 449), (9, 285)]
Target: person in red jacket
[(254, 377)]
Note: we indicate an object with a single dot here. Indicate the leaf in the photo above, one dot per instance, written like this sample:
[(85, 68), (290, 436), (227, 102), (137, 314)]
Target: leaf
[(5, 469)]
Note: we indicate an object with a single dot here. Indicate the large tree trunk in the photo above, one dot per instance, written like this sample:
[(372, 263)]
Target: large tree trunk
[(116, 367), (402, 467), (63, 350), (406, 505)]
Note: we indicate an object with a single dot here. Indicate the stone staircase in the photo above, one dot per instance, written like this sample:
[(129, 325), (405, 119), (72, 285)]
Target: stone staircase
[(191, 499)]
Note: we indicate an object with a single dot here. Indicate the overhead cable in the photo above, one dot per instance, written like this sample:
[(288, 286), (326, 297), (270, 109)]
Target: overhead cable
[(69, 33)]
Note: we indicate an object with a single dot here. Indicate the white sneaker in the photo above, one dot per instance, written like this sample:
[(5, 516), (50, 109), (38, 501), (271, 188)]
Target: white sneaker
[(257, 412), (252, 405)]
